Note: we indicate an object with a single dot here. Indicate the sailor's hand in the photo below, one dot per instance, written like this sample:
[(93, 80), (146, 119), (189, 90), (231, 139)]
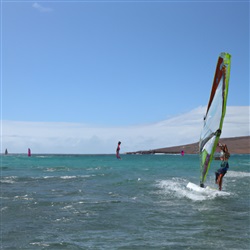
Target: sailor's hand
[(218, 132)]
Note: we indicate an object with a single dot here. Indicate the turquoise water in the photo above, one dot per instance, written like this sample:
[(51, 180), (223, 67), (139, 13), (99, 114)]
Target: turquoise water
[(139, 202)]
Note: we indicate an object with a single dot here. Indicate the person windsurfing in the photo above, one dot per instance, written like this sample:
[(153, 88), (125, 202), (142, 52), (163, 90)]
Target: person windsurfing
[(224, 166), (118, 151)]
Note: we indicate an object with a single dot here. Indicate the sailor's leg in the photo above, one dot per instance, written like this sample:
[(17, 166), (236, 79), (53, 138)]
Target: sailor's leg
[(216, 177), (220, 181)]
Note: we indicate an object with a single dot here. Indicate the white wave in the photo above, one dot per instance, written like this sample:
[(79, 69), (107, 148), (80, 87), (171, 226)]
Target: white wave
[(74, 176), (50, 169), (48, 177), (24, 197), (68, 177), (42, 244), (11, 177), (7, 181), (3, 208), (65, 177), (177, 188), (64, 219), (233, 174), (67, 207)]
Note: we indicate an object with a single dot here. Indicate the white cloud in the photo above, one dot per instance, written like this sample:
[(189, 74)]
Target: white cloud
[(41, 8), (43, 137)]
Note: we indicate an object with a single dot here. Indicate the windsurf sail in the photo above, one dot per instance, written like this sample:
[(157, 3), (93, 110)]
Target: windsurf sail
[(216, 110)]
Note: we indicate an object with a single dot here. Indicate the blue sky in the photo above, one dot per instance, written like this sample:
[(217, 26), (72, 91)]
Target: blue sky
[(118, 63)]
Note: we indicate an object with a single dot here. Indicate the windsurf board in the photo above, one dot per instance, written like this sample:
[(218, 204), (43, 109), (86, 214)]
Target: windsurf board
[(197, 188)]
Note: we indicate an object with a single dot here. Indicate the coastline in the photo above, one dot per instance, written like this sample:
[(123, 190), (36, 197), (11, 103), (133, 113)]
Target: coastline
[(236, 145)]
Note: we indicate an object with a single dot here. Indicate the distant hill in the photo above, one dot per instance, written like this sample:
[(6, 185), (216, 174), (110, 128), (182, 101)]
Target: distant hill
[(236, 145)]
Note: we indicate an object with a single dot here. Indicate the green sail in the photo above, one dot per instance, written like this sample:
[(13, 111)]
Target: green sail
[(216, 110)]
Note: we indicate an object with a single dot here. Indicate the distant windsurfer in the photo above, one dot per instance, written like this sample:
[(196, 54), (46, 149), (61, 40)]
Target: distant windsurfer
[(224, 166), (118, 151)]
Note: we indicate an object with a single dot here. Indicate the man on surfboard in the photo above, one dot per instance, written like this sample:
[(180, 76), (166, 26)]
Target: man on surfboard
[(224, 166), (118, 151)]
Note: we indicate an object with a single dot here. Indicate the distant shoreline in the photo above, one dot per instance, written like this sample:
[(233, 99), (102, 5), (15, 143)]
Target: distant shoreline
[(236, 145)]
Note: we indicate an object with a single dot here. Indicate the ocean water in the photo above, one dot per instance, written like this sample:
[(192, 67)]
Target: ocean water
[(139, 202)]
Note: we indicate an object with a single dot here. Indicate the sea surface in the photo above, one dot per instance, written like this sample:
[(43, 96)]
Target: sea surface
[(139, 202)]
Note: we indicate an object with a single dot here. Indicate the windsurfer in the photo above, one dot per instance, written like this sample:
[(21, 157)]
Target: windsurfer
[(118, 151), (224, 166)]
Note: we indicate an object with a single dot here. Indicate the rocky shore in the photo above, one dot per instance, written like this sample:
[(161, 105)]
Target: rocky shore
[(236, 145)]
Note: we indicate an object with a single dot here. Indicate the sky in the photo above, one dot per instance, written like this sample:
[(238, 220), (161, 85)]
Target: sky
[(79, 138), (103, 71)]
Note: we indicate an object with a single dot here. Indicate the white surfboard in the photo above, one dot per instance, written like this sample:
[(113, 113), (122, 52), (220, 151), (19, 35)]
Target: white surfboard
[(207, 190), (197, 188)]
